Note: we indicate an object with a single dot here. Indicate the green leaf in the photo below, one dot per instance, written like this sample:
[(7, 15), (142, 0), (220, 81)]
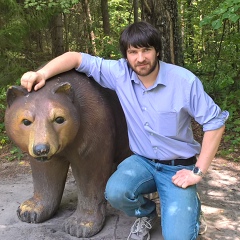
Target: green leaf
[(206, 20), (219, 11), (216, 24), (234, 17)]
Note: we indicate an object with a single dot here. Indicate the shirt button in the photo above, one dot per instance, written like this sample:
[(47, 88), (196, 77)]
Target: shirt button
[(146, 124)]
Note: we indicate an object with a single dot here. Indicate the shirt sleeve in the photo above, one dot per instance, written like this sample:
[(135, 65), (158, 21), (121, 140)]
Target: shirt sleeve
[(204, 110), (105, 72)]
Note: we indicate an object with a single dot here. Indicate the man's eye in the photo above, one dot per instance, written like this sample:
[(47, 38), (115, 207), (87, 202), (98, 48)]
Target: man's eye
[(26, 122), (59, 120), (131, 52)]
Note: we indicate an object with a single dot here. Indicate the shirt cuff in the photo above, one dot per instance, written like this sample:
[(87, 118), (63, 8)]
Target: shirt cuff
[(216, 122)]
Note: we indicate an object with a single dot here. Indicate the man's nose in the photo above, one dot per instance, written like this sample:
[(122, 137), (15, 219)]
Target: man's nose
[(141, 57)]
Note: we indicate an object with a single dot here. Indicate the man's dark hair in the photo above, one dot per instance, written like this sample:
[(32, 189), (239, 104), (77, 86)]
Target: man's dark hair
[(139, 34)]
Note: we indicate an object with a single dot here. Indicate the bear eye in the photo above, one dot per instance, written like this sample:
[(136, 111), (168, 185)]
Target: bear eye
[(59, 120), (26, 122)]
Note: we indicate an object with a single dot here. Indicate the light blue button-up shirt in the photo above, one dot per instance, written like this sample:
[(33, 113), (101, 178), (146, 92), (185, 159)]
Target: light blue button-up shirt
[(158, 117)]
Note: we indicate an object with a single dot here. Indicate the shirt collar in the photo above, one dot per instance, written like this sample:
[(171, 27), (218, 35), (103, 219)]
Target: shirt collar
[(161, 79)]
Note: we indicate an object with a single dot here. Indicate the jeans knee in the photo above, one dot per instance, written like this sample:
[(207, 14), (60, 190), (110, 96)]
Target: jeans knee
[(114, 196)]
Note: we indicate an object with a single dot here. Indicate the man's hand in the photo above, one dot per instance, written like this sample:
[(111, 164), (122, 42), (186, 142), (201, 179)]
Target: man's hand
[(185, 178), (30, 79)]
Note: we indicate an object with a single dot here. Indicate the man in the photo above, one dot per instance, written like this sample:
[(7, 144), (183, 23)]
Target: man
[(158, 100)]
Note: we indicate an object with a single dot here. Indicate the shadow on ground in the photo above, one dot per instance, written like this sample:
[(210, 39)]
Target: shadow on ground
[(219, 191)]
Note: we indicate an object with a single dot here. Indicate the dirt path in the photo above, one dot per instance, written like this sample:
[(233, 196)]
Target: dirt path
[(219, 191), (220, 196)]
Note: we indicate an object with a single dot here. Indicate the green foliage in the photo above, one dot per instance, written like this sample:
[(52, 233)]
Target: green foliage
[(232, 103), (108, 47), (12, 26), (120, 15), (210, 40), (212, 52), (11, 35), (120, 12), (227, 10), (40, 5), (3, 138), (15, 153), (13, 32)]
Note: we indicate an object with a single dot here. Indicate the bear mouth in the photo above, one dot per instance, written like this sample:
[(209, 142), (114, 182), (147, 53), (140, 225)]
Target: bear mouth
[(42, 159)]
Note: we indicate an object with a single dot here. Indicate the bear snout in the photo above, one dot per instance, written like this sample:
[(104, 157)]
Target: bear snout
[(41, 151)]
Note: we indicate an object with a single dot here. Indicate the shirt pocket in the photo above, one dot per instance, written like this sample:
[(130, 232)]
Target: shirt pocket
[(166, 123)]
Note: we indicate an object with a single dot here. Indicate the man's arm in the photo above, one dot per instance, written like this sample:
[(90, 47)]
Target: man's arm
[(63, 63), (210, 144)]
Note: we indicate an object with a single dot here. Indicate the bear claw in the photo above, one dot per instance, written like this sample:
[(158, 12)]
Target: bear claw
[(76, 227)]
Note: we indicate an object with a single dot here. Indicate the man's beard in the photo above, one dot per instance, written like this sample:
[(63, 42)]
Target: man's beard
[(144, 72)]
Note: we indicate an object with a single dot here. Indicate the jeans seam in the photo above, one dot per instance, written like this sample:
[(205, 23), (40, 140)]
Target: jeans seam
[(135, 189)]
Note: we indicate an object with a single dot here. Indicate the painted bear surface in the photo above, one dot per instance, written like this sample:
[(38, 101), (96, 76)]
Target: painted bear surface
[(70, 121)]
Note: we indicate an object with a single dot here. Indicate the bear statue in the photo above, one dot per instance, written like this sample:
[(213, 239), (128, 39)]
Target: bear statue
[(71, 121)]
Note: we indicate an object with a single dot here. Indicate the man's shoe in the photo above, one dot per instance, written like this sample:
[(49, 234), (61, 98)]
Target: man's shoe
[(141, 227), (203, 224)]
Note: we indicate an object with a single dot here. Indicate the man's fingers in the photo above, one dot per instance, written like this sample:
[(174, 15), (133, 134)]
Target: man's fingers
[(27, 80), (30, 79), (185, 178), (39, 85)]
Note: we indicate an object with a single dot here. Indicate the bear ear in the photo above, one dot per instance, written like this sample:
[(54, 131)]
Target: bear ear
[(65, 88), (15, 92)]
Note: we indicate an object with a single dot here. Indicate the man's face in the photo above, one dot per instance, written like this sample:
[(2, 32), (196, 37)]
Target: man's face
[(142, 60)]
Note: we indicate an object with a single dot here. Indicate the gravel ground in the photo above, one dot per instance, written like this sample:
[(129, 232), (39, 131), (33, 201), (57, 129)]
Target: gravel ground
[(219, 191)]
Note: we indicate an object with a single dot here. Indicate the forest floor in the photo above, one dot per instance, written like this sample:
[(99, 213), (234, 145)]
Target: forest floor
[(219, 191)]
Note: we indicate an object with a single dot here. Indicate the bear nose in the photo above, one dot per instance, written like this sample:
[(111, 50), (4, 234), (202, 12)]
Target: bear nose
[(41, 149)]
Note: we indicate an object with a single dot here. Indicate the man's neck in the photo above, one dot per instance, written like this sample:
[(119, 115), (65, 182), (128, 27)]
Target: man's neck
[(150, 79)]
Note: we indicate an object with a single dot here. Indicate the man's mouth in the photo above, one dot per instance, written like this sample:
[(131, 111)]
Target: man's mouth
[(141, 64)]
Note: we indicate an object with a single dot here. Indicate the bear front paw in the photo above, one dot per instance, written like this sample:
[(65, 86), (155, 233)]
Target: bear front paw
[(32, 211), (80, 228)]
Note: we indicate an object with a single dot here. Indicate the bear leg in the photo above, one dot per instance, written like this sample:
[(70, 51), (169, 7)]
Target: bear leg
[(86, 223), (89, 216), (49, 180)]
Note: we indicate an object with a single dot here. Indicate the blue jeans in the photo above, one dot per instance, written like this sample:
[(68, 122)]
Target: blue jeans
[(136, 176)]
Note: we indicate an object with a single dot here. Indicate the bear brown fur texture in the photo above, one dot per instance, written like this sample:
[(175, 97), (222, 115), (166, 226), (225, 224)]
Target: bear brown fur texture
[(70, 121)]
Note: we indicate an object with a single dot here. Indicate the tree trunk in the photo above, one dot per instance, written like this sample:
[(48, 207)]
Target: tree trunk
[(163, 14), (190, 30), (92, 47), (135, 10), (105, 17), (56, 29)]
